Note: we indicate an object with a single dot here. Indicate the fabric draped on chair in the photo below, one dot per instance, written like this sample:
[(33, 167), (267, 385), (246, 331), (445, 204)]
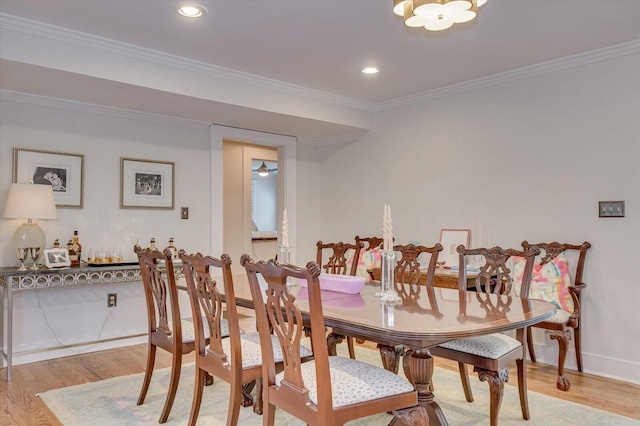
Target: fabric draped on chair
[(328, 390)]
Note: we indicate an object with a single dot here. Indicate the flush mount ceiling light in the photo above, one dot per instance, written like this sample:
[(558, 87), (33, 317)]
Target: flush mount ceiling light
[(436, 15), (192, 11), (370, 70)]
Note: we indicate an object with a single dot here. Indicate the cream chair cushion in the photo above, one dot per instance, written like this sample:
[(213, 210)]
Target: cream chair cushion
[(251, 354), (491, 346), (353, 381)]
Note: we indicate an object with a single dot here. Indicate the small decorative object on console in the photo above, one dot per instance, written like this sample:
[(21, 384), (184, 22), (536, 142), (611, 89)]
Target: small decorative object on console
[(56, 258)]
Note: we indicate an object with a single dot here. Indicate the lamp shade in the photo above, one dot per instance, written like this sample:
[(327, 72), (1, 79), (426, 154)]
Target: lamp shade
[(29, 201)]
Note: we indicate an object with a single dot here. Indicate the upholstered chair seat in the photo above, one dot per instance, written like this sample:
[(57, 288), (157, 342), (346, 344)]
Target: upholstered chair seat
[(251, 353), (491, 346)]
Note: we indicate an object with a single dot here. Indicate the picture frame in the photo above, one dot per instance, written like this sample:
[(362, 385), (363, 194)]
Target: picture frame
[(451, 238), (56, 258), (146, 184), (62, 170)]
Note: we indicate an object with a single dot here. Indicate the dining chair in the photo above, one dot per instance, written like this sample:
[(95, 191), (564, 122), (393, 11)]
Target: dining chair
[(236, 359), (336, 263), (490, 355), (558, 280), (167, 329), (328, 390), (408, 276)]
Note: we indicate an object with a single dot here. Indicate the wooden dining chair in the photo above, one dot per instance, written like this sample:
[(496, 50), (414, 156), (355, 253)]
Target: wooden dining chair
[(336, 263), (167, 329), (491, 354), (328, 390), (237, 359), (408, 275), (556, 281)]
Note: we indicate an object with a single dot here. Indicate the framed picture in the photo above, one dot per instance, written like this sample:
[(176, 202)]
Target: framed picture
[(146, 184), (61, 170), (450, 240), (56, 257)]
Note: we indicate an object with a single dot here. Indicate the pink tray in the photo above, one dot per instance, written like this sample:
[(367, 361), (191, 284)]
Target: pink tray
[(340, 283)]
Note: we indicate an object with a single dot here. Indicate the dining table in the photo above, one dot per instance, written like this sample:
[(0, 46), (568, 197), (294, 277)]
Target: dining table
[(422, 318)]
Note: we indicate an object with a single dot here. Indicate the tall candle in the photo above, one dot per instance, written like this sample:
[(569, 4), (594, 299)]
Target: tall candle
[(285, 229), (387, 228)]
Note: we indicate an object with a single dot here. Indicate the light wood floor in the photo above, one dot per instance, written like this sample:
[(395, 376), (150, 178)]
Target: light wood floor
[(20, 406)]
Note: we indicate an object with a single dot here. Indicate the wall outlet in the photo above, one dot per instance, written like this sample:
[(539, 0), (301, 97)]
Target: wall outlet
[(611, 208), (112, 300), (184, 212)]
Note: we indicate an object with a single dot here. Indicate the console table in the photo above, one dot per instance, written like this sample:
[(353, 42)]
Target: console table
[(12, 280)]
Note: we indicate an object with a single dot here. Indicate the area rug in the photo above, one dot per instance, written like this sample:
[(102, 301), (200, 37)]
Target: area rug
[(113, 402)]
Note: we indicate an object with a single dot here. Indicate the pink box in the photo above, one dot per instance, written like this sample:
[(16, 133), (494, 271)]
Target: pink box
[(339, 283)]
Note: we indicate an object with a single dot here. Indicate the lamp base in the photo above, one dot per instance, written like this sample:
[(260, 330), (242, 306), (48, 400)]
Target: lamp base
[(29, 235)]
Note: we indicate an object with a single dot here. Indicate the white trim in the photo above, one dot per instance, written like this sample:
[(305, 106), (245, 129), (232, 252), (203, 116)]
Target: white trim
[(123, 113), (287, 144)]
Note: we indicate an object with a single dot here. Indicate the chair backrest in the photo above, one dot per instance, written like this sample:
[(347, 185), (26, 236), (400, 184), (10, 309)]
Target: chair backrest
[(275, 310), (160, 292), (407, 269), (207, 305), (337, 261), (372, 242), (550, 251), (495, 276)]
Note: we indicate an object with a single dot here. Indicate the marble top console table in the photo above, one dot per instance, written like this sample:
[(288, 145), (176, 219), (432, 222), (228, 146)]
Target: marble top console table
[(12, 280)]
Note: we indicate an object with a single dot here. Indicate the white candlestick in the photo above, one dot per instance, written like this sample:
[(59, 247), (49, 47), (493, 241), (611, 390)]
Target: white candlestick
[(285, 229)]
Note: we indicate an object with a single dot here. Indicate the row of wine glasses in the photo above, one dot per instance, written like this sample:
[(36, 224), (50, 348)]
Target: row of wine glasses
[(25, 253)]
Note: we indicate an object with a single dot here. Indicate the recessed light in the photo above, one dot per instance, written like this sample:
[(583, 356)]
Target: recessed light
[(370, 70), (192, 11)]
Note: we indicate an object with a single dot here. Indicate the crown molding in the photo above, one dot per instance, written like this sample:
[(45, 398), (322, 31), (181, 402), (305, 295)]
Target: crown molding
[(574, 61), (91, 41), (123, 113)]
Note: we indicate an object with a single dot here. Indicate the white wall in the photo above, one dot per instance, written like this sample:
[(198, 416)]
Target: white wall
[(529, 159), (103, 137)]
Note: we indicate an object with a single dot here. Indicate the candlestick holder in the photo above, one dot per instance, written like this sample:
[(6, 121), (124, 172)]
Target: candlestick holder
[(284, 255), (387, 311), (388, 292)]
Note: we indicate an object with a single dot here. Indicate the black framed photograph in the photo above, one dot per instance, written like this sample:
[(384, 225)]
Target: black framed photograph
[(62, 170), (56, 257), (146, 184)]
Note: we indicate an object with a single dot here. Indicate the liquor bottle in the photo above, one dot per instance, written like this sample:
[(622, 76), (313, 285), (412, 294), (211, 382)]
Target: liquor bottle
[(174, 249), (77, 246), (152, 244), (56, 243), (73, 256)]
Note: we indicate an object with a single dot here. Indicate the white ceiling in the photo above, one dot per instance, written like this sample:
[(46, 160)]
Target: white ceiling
[(321, 45)]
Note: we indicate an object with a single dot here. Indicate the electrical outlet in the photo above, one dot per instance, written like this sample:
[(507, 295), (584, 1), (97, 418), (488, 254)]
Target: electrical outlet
[(112, 300), (611, 208), (184, 212)]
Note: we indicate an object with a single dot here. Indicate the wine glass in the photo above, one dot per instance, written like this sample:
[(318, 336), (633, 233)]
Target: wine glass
[(35, 256), (22, 255)]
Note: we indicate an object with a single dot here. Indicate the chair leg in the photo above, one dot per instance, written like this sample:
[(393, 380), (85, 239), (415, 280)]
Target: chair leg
[(352, 351), (151, 360), (464, 377), (257, 406), (197, 396), (496, 381), (269, 415), (578, 343), (563, 342), (235, 397), (532, 352), (176, 365), (208, 379), (521, 365)]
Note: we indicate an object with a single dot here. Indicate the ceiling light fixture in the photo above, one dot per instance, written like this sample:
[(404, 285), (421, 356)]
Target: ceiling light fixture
[(192, 11), (263, 170), (370, 70), (436, 15)]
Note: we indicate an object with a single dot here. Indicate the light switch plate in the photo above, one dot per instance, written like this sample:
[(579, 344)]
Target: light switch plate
[(184, 212), (611, 208)]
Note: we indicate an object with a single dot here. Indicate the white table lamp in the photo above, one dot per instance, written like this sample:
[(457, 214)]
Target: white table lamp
[(29, 201)]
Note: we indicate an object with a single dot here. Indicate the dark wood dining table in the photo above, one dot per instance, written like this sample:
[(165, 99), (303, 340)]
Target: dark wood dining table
[(425, 317)]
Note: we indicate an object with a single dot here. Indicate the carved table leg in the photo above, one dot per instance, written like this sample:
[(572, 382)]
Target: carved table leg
[(332, 341), (496, 381), (390, 356), (563, 338), (418, 366), (247, 399)]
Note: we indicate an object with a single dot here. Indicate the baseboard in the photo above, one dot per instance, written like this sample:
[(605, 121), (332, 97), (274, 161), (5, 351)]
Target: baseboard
[(614, 368), (46, 354)]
